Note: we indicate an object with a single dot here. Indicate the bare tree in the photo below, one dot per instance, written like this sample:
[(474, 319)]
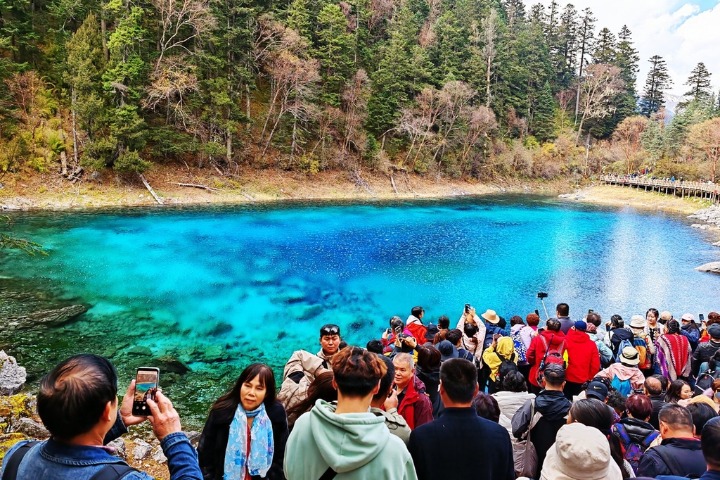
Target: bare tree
[(354, 103), (704, 138), (628, 136), (489, 50), (601, 83), (181, 21), (170, 82)]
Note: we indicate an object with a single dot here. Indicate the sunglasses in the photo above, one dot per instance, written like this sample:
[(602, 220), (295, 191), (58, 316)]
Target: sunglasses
[(330, 331)]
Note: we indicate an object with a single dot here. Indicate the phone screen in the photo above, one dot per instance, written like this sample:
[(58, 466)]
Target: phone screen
[(146, 384)]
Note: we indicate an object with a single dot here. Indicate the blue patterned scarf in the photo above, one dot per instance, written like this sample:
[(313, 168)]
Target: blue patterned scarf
[(261, 444)]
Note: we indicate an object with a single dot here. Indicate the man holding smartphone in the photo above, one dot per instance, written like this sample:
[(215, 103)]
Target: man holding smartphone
[(78, 404)]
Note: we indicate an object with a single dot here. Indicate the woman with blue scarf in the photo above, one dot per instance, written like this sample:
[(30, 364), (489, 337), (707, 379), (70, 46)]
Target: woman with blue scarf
[(245, 434)]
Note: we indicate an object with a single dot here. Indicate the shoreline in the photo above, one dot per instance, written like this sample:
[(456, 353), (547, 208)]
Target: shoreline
[(47, 192)]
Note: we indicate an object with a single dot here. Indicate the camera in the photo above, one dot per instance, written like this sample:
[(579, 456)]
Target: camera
[(542, 295)]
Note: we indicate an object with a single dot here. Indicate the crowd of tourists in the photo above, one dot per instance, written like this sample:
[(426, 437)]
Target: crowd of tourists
[(487, 399)]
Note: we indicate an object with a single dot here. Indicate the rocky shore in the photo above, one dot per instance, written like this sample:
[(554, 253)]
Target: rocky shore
[(19, 421)]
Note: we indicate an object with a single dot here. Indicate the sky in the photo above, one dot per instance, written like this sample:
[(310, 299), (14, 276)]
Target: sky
[(684, 33)]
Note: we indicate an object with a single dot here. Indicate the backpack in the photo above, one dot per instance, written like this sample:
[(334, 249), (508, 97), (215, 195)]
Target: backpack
[(624, 387), (705, 381), (641, 346), (111, 471), (549, 357), (623, 343), (519, 347), (633, 451), (506, 366)]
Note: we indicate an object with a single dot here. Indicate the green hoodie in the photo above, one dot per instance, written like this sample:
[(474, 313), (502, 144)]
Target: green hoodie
[(355, 445)]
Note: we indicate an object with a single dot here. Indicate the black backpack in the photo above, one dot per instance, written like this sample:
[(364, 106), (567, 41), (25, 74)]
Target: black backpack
[(111, 471), (506, 366)]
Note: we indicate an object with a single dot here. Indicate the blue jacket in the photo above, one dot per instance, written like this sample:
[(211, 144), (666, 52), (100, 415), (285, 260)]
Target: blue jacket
[(60, 461), (684, 452)]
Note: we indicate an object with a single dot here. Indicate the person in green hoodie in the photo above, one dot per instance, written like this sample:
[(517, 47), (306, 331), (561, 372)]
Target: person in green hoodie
[(346, 441)]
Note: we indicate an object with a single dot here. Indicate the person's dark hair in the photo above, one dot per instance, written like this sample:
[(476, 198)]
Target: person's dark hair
[(74, 394), (374, 346), (594, 413), (554, 375), (387, 380), (532, 319), (486, 407), (320, 388), (701, 413), (459, 379), (453, 336), (553, 325), (653, 385), (639, 406), (677, 416), (265, 375), (428, 358), (443, 322), (673, 326), (710, 442), (617, 401), (713, 317), (516, 320), (593, 318), (357, 371), (396, 322), (673, 391), (563, 309), (654, 312), (616, 321), (417, 311), (514, 382)]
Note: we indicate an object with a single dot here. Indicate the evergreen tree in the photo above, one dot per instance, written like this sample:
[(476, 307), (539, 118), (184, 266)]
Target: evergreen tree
[(335, 51), (658, 80), (402, 70), (605, 48), (700, 85), (298, 18)]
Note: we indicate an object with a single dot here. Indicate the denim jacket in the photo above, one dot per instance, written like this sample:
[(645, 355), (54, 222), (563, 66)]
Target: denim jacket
[(60, 461)]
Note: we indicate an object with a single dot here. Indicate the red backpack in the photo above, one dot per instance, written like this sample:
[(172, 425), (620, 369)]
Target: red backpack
[(550, 357)]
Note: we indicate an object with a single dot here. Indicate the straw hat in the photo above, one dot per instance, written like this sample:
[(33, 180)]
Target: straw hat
[(491, 316)]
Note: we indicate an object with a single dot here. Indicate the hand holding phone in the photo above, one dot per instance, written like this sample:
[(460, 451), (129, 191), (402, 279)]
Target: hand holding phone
[(147, 380)]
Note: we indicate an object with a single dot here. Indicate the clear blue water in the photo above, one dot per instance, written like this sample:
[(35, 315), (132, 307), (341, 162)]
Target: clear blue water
[(217, 287)]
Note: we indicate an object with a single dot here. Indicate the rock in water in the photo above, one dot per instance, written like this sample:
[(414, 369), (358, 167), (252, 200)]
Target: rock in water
[(712, 267), (12, 375)]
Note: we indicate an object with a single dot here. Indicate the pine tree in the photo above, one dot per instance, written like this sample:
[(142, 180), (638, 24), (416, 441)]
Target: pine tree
[(658, 80), (605, 48), (700, 85), (335, 47)]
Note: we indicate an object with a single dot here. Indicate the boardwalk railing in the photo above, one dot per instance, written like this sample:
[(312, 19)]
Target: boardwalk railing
[(679, 188)]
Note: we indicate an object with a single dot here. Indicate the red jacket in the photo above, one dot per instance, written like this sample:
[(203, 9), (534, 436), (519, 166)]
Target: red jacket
[(583, 357), (415, 407), (536, 352)]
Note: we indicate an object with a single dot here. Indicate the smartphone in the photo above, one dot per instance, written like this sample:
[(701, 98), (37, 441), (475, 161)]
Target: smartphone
[(701, 317), (542, 295), (147, 380), (537, 312), (467, 308)]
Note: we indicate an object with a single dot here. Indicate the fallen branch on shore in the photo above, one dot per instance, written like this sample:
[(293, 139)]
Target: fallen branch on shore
[(196, 185), (150, 189)]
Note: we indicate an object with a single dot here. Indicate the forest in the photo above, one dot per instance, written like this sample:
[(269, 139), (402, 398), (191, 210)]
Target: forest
[(457, 88)]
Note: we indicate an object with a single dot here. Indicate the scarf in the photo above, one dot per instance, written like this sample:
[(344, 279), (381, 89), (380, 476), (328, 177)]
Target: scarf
[(261, 444), (672, 362)]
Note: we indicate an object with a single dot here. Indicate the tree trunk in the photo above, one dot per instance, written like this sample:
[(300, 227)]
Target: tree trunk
[(103, 35), (150, 189)]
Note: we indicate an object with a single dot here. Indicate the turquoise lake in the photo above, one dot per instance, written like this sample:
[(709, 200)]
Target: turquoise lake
[(213, 289)]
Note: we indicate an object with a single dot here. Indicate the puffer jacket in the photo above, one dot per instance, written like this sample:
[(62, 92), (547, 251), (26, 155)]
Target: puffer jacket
[(583, 357)]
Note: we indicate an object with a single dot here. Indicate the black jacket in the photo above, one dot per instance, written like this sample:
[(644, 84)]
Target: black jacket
[(636, 429), (658, 401), (702, 354), (460, 444), (554, 408), (214, 438), (684, 455)]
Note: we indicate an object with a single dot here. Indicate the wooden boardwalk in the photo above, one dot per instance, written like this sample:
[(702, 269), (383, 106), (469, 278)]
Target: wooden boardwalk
[(704, 190)]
